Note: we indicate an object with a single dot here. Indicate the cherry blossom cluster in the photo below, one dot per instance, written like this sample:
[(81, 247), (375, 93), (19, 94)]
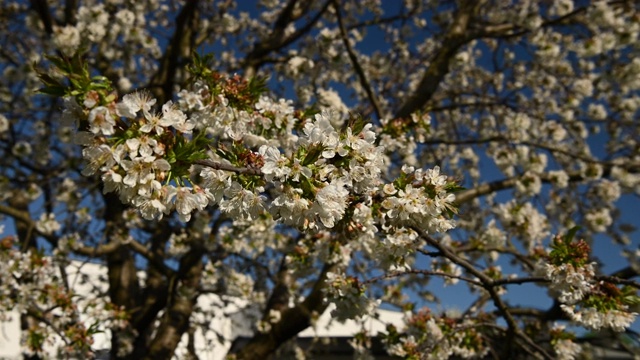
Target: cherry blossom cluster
[(428, 336), (223, 143), (604, 307), (568, 269), (61, 320), (590, 302), (26, 273), (116, 30), (563, 344), (350, 297), (136, 163), (260, 162)]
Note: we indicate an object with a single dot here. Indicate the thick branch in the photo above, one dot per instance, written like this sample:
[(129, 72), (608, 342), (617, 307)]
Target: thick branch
[(617, 280), (484, 189), (276, 40), (122, 273), (162, 82), (24, 218), (281, 293), (395, 274), (384, 20), (292, 321), (154, 295), (42, 8), (508, 30), (70, 8), (183, 290), (457, 35), (488, 188)]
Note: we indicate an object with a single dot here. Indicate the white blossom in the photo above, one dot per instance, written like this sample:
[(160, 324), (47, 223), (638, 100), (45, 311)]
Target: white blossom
[(101, 121), (570, 282), (22, 149), (47, 224), (132, 103), (593, 319), (331, 203), (4, 123), (599, 220), (67, 39), (275, 165), (242, 203)]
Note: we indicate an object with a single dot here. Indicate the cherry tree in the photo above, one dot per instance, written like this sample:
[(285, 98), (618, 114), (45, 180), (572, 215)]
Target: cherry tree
[(312, 156)]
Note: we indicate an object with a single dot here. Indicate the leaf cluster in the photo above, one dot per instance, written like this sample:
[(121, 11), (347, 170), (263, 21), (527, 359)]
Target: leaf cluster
[(70, 76)]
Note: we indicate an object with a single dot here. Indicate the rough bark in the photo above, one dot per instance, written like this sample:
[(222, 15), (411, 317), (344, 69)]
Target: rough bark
[(183, 288), (123, 279), (162, 83), (154, 296), (276, 39), (292, 321), (457, 35)]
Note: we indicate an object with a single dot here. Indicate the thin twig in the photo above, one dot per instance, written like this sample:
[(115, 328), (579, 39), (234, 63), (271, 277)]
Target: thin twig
[(490, 286), (364, 82), (617, 280), (395, 274), (228, 167)]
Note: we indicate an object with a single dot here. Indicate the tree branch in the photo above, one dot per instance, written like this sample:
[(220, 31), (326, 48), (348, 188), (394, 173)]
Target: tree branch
[(292, 321), (487, 188), (484, 189), (617, 280), (163, 81), (154, 294), (93, 252), (395, 274), (276, 40), (228, 167), (70, 8), (490, 286), (458, 34), (42, 8), (183, 294), (364, 82)]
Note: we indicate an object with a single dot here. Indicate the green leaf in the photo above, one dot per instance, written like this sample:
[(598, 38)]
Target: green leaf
[(60, 63), (571, 234), (53, 90), (453, 187), (356, 123), (313, 154), (223, 153), (631, 300), (257, 86)]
